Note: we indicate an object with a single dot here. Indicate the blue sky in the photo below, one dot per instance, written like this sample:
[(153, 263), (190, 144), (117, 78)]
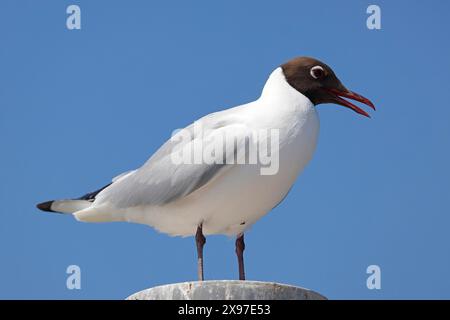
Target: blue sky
[(79, 107)]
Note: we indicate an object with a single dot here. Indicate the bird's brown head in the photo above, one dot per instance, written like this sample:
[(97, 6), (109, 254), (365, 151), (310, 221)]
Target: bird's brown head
[(319, 84)]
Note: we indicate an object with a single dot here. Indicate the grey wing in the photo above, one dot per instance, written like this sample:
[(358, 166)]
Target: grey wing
[(160, 180)]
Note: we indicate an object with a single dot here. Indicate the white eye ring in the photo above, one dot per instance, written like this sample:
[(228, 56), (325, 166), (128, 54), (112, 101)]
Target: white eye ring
[(317, 72)]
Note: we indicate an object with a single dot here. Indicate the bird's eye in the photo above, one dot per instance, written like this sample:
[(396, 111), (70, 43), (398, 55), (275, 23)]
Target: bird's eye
[(317, 72)]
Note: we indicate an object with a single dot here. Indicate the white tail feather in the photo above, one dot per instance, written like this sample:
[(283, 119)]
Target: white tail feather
[(69, 206), (97, 214)]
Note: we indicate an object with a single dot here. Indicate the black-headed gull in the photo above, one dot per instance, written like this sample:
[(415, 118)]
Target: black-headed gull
[(181, 197)]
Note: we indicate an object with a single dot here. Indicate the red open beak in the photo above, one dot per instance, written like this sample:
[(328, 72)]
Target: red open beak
[(337, 94)]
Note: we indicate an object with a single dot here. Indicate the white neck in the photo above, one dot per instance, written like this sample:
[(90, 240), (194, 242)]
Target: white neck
[(278, 90)]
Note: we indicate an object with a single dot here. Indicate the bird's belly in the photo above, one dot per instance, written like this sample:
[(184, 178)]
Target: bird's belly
[(245, 197)]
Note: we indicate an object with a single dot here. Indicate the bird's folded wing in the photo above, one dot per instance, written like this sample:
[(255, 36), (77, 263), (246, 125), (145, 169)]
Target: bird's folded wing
[(122, 175), (162, 180)]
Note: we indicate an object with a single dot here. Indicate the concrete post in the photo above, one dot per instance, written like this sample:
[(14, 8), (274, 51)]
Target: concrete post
[(226, 290)]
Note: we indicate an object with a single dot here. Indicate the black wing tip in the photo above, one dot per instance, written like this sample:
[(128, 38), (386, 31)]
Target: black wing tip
[(45, 206)]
